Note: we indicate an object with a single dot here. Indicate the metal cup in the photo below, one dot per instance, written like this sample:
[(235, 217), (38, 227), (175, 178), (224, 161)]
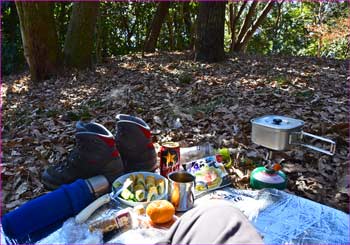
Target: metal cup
[(181, 190)]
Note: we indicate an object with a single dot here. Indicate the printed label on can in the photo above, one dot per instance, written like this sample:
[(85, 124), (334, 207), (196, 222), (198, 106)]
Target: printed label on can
[(169, 158)]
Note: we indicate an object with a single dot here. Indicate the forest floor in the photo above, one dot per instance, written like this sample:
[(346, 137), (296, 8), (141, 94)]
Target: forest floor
[(187, 102)]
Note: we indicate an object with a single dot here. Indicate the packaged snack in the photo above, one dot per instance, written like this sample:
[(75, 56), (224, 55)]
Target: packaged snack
[(121, 221), (210, 173)]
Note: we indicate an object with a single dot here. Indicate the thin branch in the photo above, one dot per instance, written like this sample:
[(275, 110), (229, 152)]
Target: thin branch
[(256, 24), (246, 23)]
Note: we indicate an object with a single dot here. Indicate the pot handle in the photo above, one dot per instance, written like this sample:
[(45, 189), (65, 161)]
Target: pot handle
[(303, 134)]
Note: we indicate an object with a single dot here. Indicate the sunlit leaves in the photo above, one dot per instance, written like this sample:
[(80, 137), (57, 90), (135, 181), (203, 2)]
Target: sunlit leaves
[(187, 102)]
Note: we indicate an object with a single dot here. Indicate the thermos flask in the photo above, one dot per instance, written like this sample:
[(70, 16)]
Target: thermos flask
[(39, 217)]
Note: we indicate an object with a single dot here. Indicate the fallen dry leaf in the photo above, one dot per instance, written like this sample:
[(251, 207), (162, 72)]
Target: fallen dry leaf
[(184, 101)]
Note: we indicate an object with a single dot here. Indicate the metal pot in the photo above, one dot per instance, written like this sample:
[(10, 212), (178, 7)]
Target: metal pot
[(282, 133)]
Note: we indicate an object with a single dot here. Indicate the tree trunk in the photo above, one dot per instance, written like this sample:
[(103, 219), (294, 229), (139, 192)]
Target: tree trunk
[(39, 38), (98, 46), (232, 29), (131, 34), (233, 22), (210, 32), (178, 22), (277, 23), (104, 34), (256, 24), (247, 21), (79, 43), (171, 34), (188, 24), (320, 34), (158, 19)]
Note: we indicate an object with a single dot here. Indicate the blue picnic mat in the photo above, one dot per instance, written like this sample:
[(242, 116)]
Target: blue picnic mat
[(280, 218), (283, 218)]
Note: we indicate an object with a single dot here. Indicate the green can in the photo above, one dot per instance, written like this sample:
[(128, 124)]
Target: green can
[(262, 177)]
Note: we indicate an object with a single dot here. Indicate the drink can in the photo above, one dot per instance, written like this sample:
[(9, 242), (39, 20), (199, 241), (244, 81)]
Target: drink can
[(169, 158)]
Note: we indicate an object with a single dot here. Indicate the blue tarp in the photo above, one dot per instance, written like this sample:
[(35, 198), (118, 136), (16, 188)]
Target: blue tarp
[(280, 217), (283, 218)]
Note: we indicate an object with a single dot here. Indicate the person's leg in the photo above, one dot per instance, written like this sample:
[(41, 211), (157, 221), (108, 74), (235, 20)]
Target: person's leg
[(215, 222)]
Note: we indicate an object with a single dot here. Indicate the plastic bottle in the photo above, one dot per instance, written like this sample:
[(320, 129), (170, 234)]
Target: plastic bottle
[(188, 154), (41, 216)]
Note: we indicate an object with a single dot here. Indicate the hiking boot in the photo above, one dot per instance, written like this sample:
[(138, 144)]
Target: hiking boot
[(134, 142), (95, 153)]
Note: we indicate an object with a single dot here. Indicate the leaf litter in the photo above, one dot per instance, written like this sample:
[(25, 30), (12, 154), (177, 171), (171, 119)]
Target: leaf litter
[(188, 102)]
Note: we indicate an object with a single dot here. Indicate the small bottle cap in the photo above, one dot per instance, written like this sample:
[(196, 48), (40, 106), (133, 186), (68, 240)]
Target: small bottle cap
[(277, 167), (98, 185)]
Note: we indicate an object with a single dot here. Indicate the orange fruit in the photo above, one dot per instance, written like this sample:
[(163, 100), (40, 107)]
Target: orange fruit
[(160, 211)]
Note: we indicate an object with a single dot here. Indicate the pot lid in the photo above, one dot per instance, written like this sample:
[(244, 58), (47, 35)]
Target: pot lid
[(278, 122)]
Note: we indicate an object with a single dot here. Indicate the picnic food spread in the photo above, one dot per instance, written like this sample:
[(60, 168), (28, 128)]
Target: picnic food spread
[(121, 161)]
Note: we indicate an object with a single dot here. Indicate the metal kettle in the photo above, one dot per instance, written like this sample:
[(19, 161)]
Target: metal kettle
[(283, 133)]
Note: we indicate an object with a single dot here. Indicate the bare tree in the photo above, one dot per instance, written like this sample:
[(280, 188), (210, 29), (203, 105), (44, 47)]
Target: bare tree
[(79, 42), (249, 25), (39, 37), (210, 32), (157, 22)]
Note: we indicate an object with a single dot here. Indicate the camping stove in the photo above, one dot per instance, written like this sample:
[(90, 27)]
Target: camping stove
[(280, 133), (269, 175)]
